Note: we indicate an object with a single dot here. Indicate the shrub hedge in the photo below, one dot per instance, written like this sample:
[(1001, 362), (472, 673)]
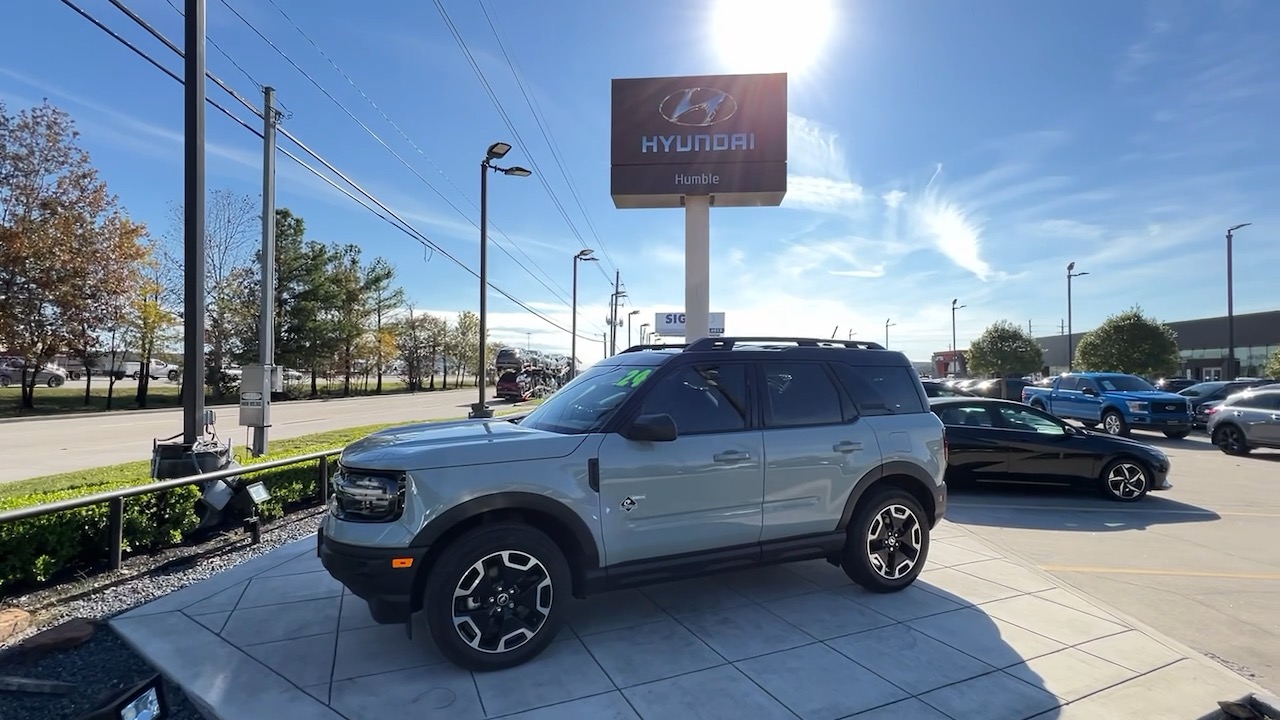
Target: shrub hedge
[(38, 549)]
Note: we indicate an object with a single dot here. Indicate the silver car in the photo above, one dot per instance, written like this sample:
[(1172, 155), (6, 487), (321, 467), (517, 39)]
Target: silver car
[(12, 373), (1245, 421)]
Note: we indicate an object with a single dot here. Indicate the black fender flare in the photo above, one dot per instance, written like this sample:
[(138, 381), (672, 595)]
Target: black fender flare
[(515, 500), (898, 468)]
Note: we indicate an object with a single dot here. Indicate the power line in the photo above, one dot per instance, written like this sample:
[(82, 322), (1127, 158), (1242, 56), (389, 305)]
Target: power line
[(388, 148), (398, 222), (506, 119), (412, 144), (531, 100)]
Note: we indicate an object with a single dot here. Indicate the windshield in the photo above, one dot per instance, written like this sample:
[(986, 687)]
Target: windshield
[(1202, 389), (589, 401), (1125, 383)]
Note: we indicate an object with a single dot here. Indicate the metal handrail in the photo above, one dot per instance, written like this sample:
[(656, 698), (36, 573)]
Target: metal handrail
[(98, 498), (115, 498)]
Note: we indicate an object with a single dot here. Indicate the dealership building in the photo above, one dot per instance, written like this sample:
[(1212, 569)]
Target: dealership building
[(1202, 345)]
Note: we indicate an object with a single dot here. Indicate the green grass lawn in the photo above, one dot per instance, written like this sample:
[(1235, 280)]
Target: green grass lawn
[(139, 472), (160, 394)]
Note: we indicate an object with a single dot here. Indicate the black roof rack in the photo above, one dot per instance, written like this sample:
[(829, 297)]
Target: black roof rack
[(672, 346), (727, 343)]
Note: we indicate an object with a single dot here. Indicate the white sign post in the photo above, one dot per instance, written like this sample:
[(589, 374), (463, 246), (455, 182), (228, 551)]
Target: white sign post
[(674, 324)]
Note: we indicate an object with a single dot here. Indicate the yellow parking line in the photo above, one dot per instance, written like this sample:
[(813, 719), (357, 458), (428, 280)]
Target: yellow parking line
[(1153, 571), (1135, 511)]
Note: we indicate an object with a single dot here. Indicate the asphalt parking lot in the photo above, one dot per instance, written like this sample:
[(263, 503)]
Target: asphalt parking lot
[(1198, 562)]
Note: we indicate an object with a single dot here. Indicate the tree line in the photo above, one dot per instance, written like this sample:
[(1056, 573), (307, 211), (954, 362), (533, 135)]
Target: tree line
[(79, 278)]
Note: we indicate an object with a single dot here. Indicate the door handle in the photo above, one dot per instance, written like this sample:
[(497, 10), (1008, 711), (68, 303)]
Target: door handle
[(729, 456), (846, 446)]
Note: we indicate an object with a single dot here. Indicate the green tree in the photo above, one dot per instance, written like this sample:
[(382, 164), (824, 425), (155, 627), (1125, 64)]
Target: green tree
[(466, 343), (150, 322), (386, 299), (1129, 342), (67, 251), (1005, 349), (1272, 368)]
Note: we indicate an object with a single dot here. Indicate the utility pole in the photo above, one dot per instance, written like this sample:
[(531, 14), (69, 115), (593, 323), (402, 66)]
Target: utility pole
[(1062, 326), (1029, 327), (604, 341), (612, 349), (193, 239), (267, 313), (1230, 371), (955, 347)]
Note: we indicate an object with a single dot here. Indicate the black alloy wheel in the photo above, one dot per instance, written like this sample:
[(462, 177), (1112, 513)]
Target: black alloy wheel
[(1126, 480), (495, 597), (888, 542), (1231, 440)]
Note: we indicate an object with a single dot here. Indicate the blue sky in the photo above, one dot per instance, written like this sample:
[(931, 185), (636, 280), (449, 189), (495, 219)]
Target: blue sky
[(937, 150)]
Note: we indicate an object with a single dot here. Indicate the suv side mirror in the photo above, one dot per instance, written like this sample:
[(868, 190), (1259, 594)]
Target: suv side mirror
[(658, 427)]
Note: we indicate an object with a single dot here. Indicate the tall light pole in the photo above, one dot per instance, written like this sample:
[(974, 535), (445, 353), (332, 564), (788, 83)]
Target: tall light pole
[(1070, 340), (629, 316), (955, 348), (1231, 309), (887, 325), (584, 255), (496, 151), (851, 334)]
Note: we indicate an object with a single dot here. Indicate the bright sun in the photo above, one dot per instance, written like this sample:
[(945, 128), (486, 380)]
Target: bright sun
[(771, 35)]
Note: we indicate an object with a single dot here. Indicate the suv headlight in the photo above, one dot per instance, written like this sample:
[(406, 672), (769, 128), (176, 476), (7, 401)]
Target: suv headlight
[(367, 496), (1137, 406)]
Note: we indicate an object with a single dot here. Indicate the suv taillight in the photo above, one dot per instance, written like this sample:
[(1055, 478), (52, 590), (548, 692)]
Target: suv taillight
[(946, 448), (1210, 410)]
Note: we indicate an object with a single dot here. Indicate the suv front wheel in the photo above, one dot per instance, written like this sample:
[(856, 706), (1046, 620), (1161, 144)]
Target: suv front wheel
[(494, 597), (888, 542)]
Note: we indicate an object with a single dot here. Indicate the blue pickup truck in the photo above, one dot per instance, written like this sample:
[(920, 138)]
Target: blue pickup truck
[(1116, 401)]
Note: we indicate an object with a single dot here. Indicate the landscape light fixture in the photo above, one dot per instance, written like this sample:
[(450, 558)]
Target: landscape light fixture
[(144, 701), (1070, 345), (496, 151), (1231, 308), (583, 255)]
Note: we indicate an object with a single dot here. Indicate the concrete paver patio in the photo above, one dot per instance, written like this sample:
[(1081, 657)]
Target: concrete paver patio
[(979, 635)]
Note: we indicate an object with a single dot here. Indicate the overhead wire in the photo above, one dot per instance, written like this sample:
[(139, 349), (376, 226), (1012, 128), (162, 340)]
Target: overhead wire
[(399, 223), (535, 109), (506, 119), (523, 265), (405, 136)]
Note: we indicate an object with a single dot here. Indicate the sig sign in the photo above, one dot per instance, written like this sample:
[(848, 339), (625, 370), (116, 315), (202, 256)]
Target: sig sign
[(673, 324)]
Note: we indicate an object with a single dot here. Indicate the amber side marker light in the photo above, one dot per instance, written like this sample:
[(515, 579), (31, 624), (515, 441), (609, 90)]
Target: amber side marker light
[(401, 562)]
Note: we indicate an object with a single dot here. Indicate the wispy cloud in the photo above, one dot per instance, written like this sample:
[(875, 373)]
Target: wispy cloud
[(951, 228), (818, 175)]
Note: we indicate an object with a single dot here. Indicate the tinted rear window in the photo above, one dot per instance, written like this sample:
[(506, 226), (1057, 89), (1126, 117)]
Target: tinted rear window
[(878, 390)]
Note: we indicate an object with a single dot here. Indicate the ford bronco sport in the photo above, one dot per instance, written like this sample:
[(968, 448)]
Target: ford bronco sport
[(652, 465)]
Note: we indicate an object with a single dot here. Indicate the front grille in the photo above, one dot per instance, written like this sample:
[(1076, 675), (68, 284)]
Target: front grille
[(1169, 407)]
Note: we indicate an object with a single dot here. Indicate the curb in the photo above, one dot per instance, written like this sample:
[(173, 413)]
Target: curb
[(1190, 653)]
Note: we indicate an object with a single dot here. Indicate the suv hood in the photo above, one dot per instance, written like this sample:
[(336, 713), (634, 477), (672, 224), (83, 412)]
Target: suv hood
[(425, 446)]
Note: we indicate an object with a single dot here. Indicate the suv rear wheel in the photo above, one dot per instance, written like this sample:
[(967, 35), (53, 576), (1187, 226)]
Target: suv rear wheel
[(494, 597), (888, 542)]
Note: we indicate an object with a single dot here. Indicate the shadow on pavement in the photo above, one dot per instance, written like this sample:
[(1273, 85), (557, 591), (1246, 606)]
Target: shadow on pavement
[(1196, 443), (1056, 508)]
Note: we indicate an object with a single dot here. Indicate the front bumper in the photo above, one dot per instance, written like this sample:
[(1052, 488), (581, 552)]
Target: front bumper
[(1164, 424), (383, 577), (939, 504)]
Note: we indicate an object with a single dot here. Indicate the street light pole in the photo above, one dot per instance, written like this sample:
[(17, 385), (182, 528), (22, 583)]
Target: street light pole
[(1231, 310), (644, 334), (955, 349), (629, 315), (851, 334), (1070, 340), (584, 255), (496, 151), (887, 325)]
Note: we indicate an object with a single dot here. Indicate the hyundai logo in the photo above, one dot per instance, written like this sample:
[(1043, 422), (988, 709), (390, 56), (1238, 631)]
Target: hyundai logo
[(698, 107)]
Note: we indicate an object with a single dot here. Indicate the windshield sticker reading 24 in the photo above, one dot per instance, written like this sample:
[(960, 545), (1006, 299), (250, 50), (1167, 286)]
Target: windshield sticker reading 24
[(633, 378)]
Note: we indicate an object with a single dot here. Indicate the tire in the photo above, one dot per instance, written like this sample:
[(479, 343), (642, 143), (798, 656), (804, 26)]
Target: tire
[(173, 376), (1176, 434), (1039, 405), (530, 558), (1230, 439), (1089, 425), (55, 381), (4, 381), (1113, 423), (136, 376), (1126, 480), (870, 568)]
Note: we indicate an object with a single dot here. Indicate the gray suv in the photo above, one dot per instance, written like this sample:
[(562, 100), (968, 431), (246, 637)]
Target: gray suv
[(1245, 421), (652, 465)]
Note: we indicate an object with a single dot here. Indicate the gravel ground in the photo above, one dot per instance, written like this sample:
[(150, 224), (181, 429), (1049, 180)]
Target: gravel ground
[(105, 663)]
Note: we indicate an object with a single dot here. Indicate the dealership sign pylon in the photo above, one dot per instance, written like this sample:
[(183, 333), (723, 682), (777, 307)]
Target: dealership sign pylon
[(694, 142)]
